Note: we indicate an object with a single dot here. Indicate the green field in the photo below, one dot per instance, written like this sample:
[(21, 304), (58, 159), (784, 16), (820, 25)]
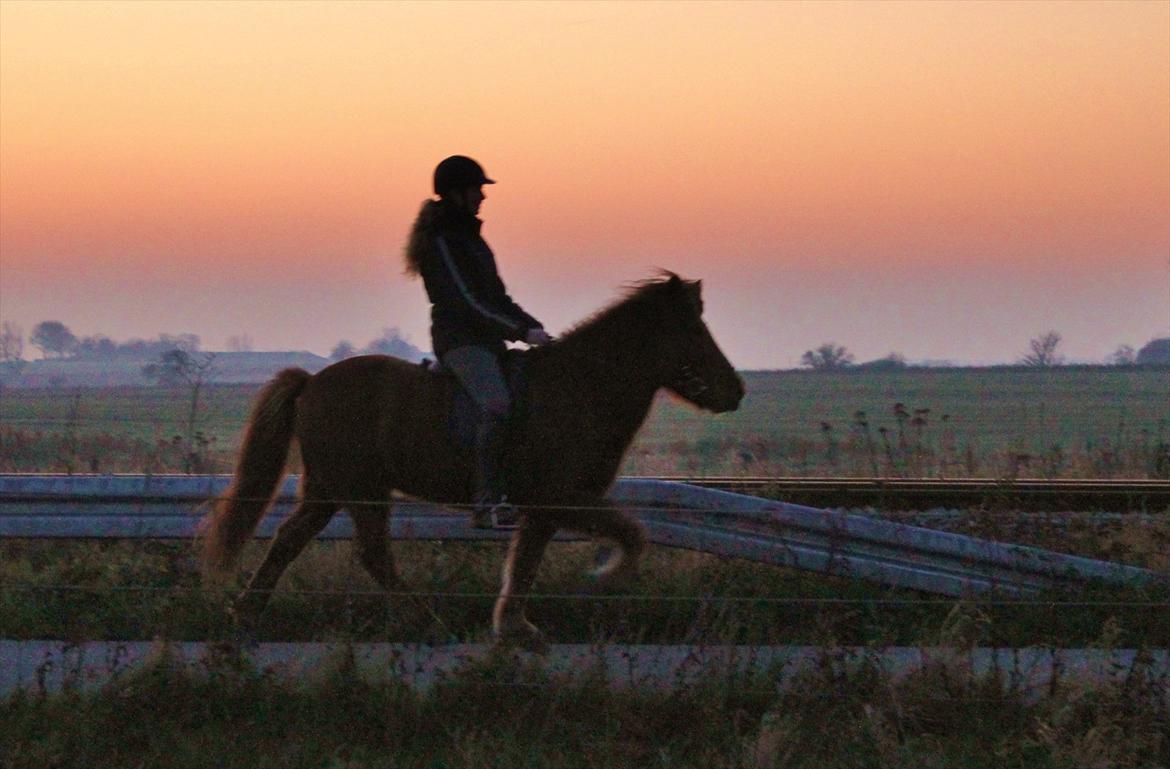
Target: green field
[(498, 712), (134, 590), (1061, 422), (501, 714), (1058, 422)]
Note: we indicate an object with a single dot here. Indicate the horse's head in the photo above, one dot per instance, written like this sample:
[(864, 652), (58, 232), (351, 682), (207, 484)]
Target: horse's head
[(694, 368)]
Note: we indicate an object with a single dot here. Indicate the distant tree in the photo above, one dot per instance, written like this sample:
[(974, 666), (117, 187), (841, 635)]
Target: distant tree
[(177, 367), (97, 346), (342, 350), (137, 347), (11, 343), (240, 343), (11, 352), (1124, 355), (53, 338), (891, 362), (1043, 351), (1154, 352), (188, 343), (827, 357), (161, 344), (393, 343)]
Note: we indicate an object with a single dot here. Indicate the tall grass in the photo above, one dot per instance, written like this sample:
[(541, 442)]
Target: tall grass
[(502, 711), (996, 423), (111, 591), (1056, 423), (497, 713)]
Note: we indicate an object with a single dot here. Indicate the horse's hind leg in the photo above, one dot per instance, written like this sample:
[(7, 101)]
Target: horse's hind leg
[(524, 555), (370, 522), (603, 520), (298, 530)]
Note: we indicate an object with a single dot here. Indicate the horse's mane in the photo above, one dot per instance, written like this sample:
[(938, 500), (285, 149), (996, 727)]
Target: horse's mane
[(635, 296)]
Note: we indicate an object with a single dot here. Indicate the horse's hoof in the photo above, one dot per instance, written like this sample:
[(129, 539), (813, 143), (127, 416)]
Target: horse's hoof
[(441, 637), (232, 648), (244, 636), (600, 582), (525, 636), (245, 624)]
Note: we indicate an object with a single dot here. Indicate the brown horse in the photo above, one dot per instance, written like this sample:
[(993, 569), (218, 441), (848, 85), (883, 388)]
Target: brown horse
[(371, 425)]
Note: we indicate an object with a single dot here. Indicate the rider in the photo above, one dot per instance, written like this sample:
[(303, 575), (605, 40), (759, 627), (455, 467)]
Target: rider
[(471, 318)]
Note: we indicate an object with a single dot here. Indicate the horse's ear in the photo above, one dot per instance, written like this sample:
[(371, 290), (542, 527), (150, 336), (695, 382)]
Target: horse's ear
[(692, 290), (675, 281)]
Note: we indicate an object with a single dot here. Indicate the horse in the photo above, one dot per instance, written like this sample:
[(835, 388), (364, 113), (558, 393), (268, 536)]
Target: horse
[(372, 425)]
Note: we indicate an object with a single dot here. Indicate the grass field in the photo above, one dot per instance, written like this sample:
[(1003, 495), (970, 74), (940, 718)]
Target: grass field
[(981, 422), (136, 590), (498, 714), (1059, 422)]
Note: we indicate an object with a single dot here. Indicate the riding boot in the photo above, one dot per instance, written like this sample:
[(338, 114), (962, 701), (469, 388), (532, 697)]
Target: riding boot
[(492, 509)]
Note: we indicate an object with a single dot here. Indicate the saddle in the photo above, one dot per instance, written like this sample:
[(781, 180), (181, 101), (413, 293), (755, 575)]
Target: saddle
[(464, 416)]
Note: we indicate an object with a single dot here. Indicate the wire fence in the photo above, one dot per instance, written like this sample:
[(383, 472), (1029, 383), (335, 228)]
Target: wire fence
[(990, 602), (399, 503)]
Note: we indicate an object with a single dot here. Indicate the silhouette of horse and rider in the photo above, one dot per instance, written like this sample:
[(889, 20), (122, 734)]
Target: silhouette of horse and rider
[(372, 426)]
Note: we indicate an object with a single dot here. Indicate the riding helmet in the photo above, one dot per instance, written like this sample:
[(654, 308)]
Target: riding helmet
[(459, 172)]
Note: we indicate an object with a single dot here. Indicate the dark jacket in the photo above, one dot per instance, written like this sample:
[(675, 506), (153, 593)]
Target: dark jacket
[(469, 304)]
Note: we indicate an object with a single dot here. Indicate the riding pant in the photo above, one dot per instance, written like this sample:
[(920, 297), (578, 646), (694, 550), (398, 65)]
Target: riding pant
[(478, 369)]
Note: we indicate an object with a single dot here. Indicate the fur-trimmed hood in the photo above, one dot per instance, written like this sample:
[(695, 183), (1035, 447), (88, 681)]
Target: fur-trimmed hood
[(469, 303), (433, 216)]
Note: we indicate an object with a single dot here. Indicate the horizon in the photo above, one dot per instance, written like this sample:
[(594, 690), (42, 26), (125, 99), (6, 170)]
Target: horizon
[(943, 181), (1062, 361)]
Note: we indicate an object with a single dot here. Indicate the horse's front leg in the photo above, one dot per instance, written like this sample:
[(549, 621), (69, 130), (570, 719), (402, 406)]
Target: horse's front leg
[(525, 552)]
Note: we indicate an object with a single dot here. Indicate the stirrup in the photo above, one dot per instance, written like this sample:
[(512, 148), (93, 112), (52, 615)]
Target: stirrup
[(504, 515), (499, 515), (481, 517)]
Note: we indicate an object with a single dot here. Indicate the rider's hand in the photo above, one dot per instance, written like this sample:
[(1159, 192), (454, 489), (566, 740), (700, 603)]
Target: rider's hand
[(537, 337)]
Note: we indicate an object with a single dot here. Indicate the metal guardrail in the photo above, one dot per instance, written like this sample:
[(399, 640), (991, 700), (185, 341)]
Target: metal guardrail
[(1118, 495), (675, 515)]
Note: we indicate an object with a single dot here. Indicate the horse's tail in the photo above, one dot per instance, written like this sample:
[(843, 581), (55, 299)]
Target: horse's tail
[(263, 455)]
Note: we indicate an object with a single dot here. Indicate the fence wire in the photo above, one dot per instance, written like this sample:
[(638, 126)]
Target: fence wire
[(404, 503), (606, 597)]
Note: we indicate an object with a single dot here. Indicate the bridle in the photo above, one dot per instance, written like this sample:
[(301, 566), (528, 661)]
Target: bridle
[(687, 382)]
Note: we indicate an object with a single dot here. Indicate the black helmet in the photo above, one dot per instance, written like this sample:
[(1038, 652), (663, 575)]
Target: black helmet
[(459, 172)]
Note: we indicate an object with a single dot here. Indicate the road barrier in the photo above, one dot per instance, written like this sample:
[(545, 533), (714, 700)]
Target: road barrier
[(674, 514), (1114, 495)]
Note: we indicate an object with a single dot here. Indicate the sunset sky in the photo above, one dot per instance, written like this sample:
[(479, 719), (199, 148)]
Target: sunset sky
[(943, 180)]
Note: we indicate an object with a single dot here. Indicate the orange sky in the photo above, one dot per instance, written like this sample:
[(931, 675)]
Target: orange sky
[(942, 179)]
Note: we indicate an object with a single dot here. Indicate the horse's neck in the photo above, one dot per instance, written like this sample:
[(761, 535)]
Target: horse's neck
[(623, 383)]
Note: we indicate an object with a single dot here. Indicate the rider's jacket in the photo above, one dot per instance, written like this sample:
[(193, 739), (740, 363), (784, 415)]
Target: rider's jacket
[(469, 304)]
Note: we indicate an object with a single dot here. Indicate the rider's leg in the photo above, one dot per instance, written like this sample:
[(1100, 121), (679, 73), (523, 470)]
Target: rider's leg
[(478, 370), (489, 450)]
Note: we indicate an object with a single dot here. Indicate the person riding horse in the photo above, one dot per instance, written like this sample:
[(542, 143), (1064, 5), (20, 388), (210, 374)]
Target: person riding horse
[(472, 316)]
